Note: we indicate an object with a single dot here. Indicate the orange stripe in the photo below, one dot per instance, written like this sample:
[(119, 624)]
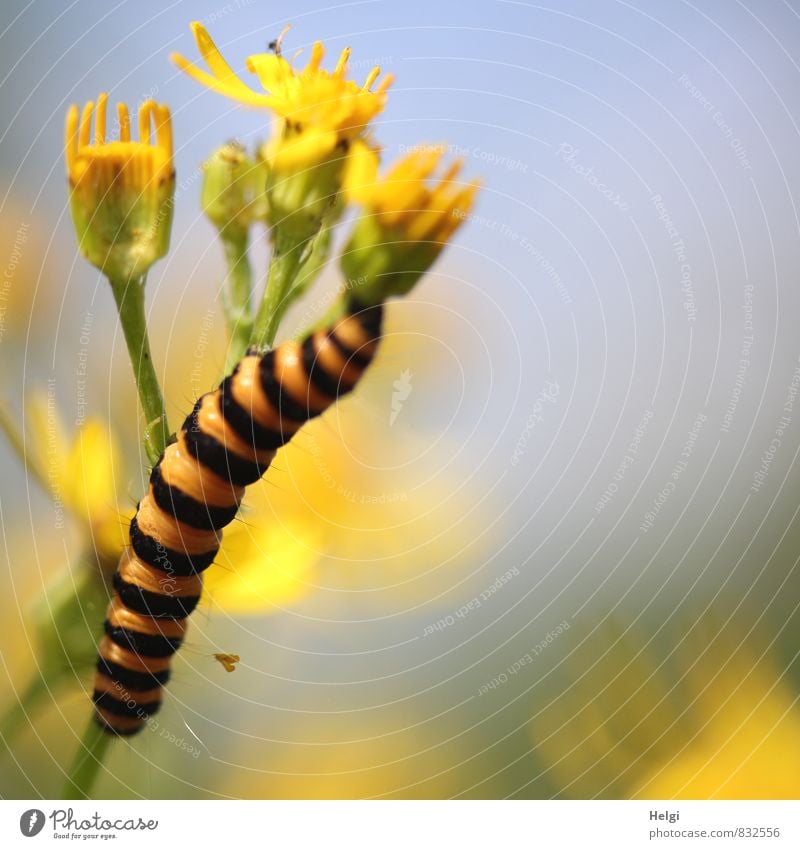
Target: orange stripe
[(290, 371), (211, 422), (169, 532), (350, 331), (134, 571), (334, 363), (181, 470), (121, 617), (248, 394)]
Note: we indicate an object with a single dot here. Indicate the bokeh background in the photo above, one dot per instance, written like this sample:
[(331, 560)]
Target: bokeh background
[(569, 567)]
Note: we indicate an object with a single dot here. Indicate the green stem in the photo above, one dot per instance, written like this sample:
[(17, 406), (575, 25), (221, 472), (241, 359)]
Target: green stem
[(285, 263), (129, 295), (87, 762), (238, 286), (20, 712)]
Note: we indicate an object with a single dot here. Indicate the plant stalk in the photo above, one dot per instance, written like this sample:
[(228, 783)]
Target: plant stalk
[(87, 762), (129, 295), (238, 288), (287, 259)]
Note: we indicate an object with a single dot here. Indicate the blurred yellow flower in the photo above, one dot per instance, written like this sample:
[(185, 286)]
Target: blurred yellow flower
[(321, 108), (80, 471), (748, 744), (716, 721)]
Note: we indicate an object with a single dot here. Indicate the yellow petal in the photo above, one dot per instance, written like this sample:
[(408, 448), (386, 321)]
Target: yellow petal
[(300, 149), (88, 486), (214, 59), (360, 172), (273, 71), (241, 93)]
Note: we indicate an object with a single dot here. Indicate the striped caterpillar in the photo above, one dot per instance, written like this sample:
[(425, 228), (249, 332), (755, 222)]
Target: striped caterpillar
[(227, 442)]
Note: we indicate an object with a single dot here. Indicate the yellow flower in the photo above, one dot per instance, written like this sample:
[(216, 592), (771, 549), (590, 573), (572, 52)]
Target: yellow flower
[(409, 219), (266, 562), (318, 108), (714, 721), (80, 472), (121, 191), (749, 744)]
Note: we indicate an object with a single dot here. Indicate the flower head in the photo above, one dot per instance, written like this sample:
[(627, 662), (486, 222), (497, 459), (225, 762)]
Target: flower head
[(318, 108), (81, 470), (408, 219), (121, 191)]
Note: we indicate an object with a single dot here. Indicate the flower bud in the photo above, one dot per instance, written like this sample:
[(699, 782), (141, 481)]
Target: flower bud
[(121, 192), (234, 187)]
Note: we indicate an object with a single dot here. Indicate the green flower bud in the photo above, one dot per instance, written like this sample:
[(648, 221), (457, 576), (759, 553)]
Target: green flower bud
[(234, 188)]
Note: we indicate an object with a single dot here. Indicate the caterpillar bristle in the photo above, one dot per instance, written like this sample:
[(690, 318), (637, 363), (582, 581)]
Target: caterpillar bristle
[(227, 442)]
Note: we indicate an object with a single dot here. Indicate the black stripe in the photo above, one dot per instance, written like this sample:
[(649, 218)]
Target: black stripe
[(207, 450), (261, 438), (145, 645), (186, 509), (129, 679), (130, 708), (370, 318), (281, 400), (360, 358), (174, 563), (157, 605), (320, 379)]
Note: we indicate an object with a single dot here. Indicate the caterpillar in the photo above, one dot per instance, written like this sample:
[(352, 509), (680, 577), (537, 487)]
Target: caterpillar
[(227, 442)]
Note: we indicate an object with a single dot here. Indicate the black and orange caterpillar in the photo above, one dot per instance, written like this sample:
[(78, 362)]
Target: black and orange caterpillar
[(227, 442)]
